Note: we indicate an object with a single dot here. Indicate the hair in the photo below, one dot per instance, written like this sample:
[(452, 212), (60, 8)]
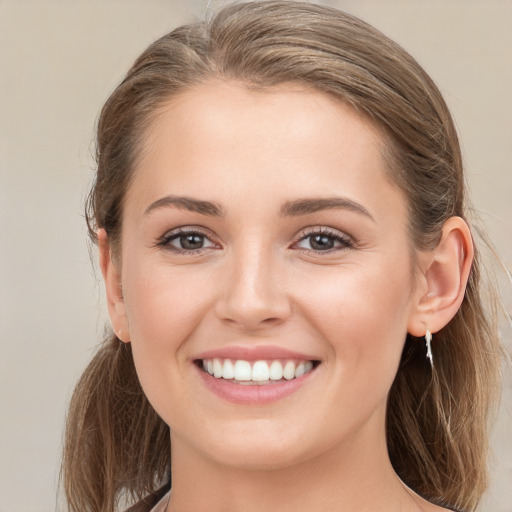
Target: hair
[(437, 420)]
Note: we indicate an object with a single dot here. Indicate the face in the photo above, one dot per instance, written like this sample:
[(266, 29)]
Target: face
[(262, 242)]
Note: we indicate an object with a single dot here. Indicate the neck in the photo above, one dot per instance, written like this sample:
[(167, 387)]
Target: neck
[(352, 476)]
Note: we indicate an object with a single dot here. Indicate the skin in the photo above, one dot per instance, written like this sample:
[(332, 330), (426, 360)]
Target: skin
[(258, 280)]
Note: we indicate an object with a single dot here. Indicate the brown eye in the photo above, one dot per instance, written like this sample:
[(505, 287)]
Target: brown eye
[(324, 241), (321, 242), (191, 241), (186, 241)]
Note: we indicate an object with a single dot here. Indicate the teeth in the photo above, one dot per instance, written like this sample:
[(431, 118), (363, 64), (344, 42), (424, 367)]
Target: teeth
[(242, 370), (276, 370), (300, 370), (258, 371), (228, 370), (217, 368), (289, 370)]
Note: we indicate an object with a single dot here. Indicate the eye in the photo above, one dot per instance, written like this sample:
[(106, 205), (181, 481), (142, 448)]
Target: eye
[(184, 241), (324, 240)]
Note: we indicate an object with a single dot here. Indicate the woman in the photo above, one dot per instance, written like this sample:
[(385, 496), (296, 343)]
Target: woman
[(291, 279)]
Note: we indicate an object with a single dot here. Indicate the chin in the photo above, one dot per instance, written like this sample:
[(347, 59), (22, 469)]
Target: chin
[(258, 458), (251, 448)]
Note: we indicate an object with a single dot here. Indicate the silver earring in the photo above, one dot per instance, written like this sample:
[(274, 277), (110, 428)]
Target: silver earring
[(428, 341)]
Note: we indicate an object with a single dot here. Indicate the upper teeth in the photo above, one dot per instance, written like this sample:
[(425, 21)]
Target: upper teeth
[(256, 371)]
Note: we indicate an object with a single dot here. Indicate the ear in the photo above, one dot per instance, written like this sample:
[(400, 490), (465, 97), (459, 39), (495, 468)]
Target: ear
[(445, 272), (112, 279)]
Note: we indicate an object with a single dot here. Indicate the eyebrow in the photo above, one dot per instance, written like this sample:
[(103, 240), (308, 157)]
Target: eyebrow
[(312, 205), (187, 203), (290, 208)]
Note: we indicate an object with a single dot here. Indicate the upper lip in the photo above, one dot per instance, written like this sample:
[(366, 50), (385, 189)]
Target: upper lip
[(254, 353)]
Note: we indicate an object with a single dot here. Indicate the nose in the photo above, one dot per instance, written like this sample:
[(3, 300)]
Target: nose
[(253, 294)]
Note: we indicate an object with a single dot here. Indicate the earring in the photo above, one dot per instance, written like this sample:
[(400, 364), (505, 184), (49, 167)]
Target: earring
[(428, 341)]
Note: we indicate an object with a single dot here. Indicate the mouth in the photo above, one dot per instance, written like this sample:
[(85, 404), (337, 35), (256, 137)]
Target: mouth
[(256, 373)]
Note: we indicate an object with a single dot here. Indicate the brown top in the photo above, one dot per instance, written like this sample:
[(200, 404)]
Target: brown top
[(148, 502)]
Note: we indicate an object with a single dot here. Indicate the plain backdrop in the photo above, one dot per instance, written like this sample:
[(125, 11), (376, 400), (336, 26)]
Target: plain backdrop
[(59, 60)]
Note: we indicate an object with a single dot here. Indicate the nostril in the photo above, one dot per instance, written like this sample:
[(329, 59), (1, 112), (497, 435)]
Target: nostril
[(252, 297), (251, 319)]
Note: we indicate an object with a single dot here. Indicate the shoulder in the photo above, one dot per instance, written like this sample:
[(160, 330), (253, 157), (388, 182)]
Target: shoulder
[(150, 501), (428, 506)]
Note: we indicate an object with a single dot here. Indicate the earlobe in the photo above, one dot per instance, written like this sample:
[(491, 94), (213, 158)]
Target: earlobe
[(446, 273), (113, 288)]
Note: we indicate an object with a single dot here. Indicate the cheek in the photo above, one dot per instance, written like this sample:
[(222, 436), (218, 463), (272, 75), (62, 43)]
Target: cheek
[(361, 312), (361, 317), (164, 308)]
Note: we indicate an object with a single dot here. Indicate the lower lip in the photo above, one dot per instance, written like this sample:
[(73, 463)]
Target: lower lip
[(253, 394)]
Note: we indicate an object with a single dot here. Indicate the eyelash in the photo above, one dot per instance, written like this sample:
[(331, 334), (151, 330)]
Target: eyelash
[(165, 241), (344, 240)]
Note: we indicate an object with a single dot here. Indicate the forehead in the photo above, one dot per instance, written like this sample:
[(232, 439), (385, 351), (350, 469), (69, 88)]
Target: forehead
[(286, 113), (286, 140)]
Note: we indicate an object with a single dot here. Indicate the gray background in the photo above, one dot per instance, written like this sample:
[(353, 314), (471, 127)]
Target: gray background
[(58, 62)]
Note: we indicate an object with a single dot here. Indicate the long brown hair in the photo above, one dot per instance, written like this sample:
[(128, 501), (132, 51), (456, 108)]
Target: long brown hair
[(437, 421)]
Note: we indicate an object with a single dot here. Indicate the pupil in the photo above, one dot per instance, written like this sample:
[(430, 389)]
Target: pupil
[(191, 241), (322, 242)]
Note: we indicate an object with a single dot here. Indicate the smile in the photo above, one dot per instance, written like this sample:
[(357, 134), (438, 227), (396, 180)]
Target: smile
[(255, 376), (259, 372)]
